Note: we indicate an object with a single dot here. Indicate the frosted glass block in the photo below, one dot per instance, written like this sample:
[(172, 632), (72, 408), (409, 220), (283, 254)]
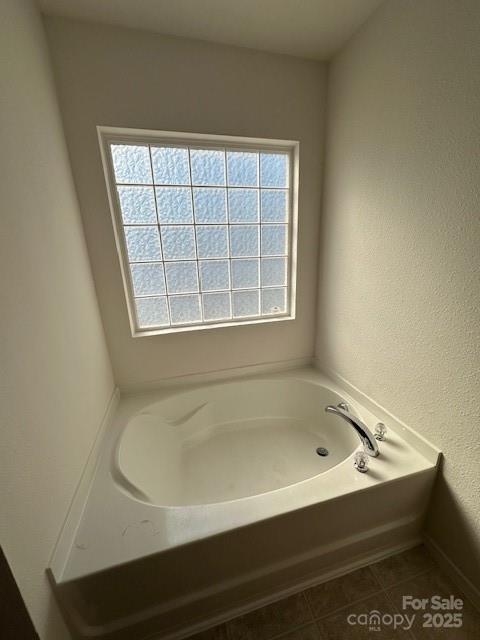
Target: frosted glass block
[(242, 168), (185, 309), (214, 275), (131, 163), (143, 244), (274, 272), (147, 279), (274, 240), (210, 205), (178, 243), (170, 165), (137, 205), (174, 205), (245, 274), (245, 303), (274, 301), (274, 205), (273, 170), (216, 306), (244, 240), (243, 205), (152, 312), (212, 241), (208, 167), (181, 277)]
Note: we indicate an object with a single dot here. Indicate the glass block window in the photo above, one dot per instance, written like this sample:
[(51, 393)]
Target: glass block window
[(204, 227)]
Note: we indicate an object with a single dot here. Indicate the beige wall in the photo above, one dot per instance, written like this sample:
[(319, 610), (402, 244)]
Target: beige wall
[(399, 304), (121, 77), (55, 377)]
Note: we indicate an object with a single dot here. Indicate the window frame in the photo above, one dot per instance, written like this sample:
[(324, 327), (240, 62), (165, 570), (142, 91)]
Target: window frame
[(119, 135)]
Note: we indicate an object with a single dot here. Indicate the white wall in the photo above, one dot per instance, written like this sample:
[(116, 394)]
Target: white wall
[(399, 304), (55, 376), (121, 77)]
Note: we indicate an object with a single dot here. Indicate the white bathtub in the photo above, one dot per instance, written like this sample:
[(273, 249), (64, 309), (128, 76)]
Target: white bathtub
[(230, 441), (210, 499)]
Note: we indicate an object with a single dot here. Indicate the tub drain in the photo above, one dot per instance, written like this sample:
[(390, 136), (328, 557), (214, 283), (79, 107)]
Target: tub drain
[(322, 451)]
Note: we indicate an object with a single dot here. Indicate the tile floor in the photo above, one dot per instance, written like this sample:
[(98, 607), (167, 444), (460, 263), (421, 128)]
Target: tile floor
[(321, 612)]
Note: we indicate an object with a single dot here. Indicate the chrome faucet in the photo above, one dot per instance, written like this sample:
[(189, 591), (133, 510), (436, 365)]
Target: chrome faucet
[(369, 443)]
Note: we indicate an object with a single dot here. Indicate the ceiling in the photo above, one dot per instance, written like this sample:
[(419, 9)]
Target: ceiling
[(307, 28)]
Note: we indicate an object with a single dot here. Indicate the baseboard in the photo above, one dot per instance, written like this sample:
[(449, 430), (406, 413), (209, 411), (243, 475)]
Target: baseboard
[(216, 375), (451, 569), (77, 505), (421, 444)]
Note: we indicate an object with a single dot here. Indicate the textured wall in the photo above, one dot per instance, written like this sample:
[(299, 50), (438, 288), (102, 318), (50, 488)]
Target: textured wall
[(399, 304), (121, 77), (55, 377)]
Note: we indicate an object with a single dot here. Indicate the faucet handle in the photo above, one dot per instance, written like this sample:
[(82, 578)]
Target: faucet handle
[(360, 461), (380, 431), (344, 406)]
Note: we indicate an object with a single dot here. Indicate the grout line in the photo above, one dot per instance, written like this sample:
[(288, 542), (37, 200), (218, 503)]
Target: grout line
[(303, 625), (348, 605), (292, 629), (227, 630), (410, 577), (310, 608), (307, 600), (375, 575), (397, 610)]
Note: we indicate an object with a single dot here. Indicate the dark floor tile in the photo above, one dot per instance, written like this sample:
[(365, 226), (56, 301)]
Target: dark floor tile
[(433, 582), (360, 623), (425, 586), (311, 632), (216, 633), (327, 597), (402, 566), (271, 620)]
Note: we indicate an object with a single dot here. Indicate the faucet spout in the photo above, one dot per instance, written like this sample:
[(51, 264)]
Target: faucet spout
[(368, 440)]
